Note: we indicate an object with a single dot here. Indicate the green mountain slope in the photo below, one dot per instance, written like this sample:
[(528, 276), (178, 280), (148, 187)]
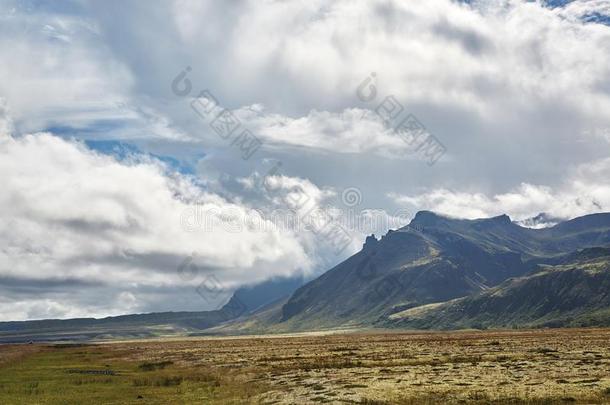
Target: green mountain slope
[(574, 292)]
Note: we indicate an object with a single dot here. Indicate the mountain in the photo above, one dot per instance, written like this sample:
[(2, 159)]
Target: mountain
[(123, 327), (431, 260), (437, 272), (574, 292)]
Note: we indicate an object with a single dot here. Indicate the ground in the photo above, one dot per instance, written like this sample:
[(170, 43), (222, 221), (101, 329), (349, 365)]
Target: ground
[(529, 367)]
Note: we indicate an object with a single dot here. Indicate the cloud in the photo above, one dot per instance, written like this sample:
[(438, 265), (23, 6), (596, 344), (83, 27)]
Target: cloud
[(331, 224), (351, 131), (513, 84), (320, 53), (586, 10), (584, 193), (517, 91), (6, 123), (52, 67), (71, 214)]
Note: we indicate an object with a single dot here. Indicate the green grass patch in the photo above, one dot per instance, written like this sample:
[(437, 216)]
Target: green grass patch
[(49, 377)]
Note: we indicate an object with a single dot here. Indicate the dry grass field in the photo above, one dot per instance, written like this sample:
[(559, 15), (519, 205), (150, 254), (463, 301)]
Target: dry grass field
[(508, 367)]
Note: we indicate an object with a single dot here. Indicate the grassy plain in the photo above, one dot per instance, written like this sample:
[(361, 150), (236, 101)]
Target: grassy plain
[(504, 367)]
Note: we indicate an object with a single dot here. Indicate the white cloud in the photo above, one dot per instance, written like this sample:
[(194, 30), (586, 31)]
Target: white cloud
[(516, 53), (579, 9), (586, 192), (311, 212), (70, 214), (510, 89), (54, 64), (6, 123), (351, 131)]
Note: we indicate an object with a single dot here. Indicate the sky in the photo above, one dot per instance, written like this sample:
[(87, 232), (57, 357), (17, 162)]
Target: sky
[(157, 155)]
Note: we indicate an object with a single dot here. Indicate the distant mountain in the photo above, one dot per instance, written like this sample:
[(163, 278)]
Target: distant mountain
[(123, 327), (256, 296), (574, 292), (433, 259)]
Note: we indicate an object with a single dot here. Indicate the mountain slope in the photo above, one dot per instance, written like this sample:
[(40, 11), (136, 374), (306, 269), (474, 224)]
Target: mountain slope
[(575, 292)]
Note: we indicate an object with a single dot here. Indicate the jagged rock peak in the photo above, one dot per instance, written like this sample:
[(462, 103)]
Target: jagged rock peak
[(370, 241), (424, 218), (390, 231)]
